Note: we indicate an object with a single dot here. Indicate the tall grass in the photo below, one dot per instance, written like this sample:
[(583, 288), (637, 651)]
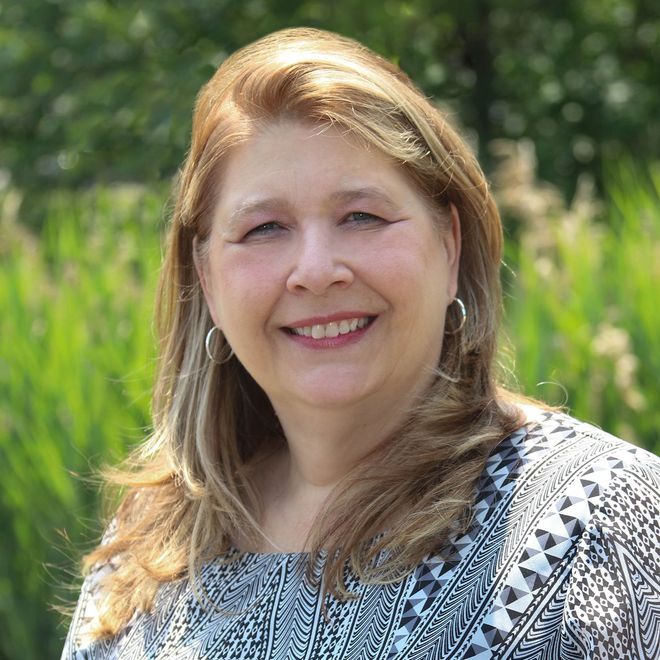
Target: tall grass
[(76, 354), (583, 310)]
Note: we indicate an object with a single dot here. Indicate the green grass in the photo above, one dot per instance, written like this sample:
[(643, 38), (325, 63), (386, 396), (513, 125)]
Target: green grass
[(583, 311), (77, 353)]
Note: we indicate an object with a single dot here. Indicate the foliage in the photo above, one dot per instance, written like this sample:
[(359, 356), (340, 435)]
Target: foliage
[(77, 351), (582, 309), (102, 91), (76, 346)]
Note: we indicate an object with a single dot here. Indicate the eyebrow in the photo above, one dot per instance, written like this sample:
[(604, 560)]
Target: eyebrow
[(276, 204), (246, 208), (370, 192)]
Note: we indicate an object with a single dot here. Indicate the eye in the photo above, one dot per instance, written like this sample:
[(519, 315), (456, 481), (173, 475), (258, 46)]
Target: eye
[(264, 229), (363, 218)]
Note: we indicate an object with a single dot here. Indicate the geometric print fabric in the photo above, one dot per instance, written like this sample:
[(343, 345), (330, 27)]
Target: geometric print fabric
[(562, 561)]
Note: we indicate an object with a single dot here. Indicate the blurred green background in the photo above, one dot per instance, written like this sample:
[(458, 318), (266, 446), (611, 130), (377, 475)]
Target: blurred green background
[(560, 99)]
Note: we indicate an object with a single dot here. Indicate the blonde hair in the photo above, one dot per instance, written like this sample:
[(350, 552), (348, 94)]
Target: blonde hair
[(190, 486)]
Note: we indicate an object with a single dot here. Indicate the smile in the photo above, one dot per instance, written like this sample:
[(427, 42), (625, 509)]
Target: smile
[(333, 329)]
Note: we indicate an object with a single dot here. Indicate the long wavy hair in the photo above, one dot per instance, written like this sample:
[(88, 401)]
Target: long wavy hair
[(190, 487)]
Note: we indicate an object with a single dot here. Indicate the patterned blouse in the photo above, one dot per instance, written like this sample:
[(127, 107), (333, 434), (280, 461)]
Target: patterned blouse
[(562, 561)]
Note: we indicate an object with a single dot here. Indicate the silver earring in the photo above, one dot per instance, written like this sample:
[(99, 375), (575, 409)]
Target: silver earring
[(207, 345), (463, 312)]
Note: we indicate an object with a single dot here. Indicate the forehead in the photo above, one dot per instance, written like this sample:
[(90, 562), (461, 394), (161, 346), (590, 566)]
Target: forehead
[(285, 144), (301, 162)]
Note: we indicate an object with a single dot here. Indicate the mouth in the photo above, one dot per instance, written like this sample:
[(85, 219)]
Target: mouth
[(332, 329)]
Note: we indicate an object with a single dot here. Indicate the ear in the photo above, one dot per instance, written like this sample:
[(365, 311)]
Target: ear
[(201, 268), (452, 241)]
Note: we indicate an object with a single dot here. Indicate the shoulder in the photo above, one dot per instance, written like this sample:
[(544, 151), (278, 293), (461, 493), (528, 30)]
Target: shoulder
[(556, 444), (571, 514), (601, 493), (85, 622), (608, 496), (571, 478)]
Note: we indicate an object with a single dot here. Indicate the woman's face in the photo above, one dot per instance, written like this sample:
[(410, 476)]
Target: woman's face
[(326, 271)]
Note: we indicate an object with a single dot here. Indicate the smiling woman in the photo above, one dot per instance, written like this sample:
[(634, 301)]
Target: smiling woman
[(329, 232), (334, 471)]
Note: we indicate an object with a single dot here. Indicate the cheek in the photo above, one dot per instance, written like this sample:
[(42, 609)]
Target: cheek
[(421, 266), (244, 288)]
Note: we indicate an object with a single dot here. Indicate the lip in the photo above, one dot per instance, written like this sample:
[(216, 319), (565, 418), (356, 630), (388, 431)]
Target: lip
[(328, 318), (340, 341)]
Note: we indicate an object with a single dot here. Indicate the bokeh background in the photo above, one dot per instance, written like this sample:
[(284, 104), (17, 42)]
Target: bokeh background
[(561, 101)]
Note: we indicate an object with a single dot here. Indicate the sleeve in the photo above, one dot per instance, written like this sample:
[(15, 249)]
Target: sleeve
[(612, 608), (80, 633), (79, 636)]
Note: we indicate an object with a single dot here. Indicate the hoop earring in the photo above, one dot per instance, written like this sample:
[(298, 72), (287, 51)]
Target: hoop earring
[(463, 312), (207, 345)]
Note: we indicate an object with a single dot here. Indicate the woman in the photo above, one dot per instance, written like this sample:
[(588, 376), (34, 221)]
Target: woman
[(334, 472)]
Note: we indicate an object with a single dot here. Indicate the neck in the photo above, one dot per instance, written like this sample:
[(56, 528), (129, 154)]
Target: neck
[(325, 445)]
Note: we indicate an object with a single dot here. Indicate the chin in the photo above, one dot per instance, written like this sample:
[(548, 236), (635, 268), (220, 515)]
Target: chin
[(332, 400), (329, 396)]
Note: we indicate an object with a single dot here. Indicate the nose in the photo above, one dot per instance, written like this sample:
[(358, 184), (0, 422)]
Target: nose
[(318, 264)]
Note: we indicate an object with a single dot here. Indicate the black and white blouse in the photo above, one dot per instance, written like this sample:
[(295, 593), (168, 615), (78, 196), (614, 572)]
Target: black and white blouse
[(562, 561)]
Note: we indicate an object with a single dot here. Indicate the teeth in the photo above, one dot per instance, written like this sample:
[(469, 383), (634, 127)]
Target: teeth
[(331, 330)]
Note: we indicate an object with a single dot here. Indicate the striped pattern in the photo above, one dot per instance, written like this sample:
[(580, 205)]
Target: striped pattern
[(561, 562)]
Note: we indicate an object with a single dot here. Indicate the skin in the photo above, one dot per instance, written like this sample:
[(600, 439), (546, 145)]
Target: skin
[(311, 226)]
